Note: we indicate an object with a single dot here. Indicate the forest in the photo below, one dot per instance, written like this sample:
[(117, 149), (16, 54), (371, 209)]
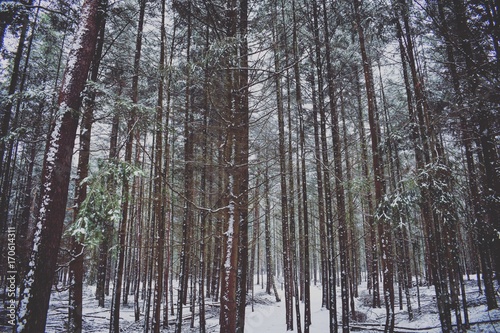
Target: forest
[(168, 165)]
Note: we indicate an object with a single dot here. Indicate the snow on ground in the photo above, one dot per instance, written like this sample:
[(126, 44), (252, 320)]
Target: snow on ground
[(269, 317)]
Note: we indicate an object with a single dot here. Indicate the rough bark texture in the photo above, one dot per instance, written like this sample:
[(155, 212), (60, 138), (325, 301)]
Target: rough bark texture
[(32, 312), (76, 269)]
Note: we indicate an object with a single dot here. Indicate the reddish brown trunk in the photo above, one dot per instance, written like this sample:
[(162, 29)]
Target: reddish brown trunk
[(385, 233), (32, 313)]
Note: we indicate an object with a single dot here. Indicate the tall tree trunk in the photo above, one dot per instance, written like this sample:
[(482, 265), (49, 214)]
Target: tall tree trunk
[(151, 253), (424, 155), (371, 248), (102, 266), (205, 199), (294, 267), (319, 184), (241, 158), (159, 199), (115, 311), (234, 272), (305, 230), (339, 181), (285, 229), (76, 269), (6, 117), (35, 296), (267, 234), (188, 218), (168, 202), (484, 120), (305, 219), (385, 232), (351, 227)]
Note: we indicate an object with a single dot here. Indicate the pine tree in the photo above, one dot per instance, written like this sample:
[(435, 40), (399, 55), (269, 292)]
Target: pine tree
[(33, 307)]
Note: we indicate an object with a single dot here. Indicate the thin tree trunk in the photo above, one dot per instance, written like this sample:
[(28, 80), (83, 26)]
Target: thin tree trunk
[(6, 146), (289, 164), (6, 115), (305, 218), (188, 218), (115, 311), (352, 234), (267, 233), (241, 159), (305, 208), (385, 233), (204, 219), (287, 256), (371, 242), (321, 204), (168, 292), (339, 182), (159, 202), (102, 266)]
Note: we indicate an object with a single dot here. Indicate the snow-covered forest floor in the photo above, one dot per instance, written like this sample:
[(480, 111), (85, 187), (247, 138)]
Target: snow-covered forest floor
[(268, 316)]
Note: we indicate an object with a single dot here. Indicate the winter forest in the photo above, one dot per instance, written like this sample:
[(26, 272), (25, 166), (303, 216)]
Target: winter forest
[(259, 166)]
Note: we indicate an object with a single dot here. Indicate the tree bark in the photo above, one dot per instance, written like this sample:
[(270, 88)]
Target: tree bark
[(115, 311), (385, 233), (35, 296), (188, 218), (76, 268), (159, 202), (305, 218), (339, 183), (319, 184), (285, 226)]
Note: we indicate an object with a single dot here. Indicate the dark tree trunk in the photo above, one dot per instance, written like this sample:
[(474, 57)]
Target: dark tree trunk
[(385, 232), (76, 268), (188, 218), (339, 182), (241, 158), (5, 120), (424, 154), (33, 306), (115, 311), (319, 184), (159, 199), (371, 248), (285, 225), (305, 219), (234, 272), (484, 119)]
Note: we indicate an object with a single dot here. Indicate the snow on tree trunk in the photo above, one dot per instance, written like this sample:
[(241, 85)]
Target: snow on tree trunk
[(36, 288)]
